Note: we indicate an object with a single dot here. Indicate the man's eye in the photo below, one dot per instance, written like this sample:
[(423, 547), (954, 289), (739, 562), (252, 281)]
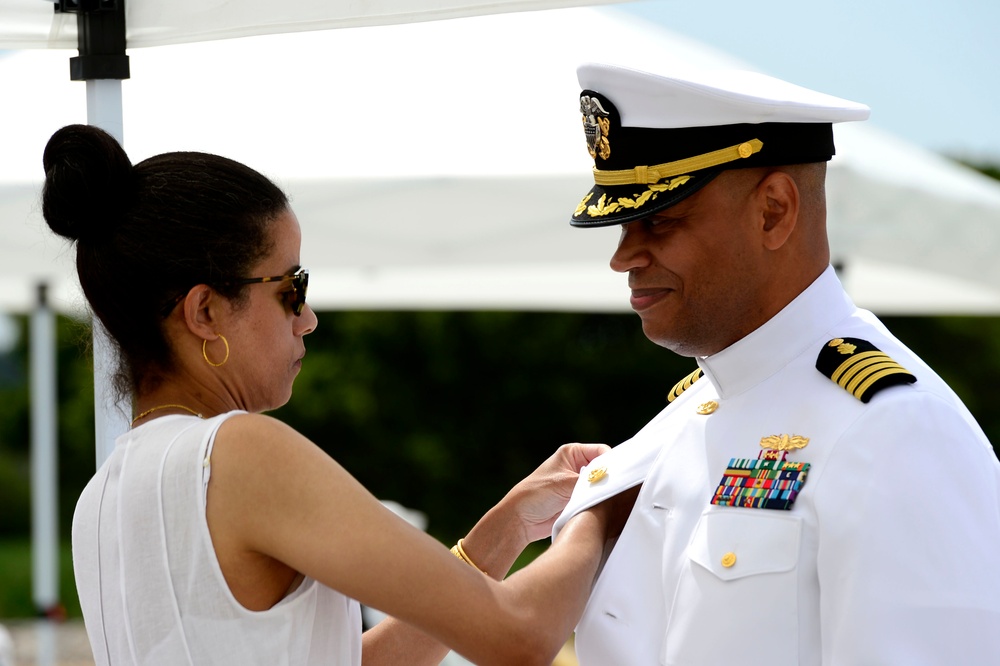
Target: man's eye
[(663, 222)]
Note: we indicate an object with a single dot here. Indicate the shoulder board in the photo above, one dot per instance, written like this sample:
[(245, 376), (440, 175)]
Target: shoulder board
[(683, 385), (858, 367)]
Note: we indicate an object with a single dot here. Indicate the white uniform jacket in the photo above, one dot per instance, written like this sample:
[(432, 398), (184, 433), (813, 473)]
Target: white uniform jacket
[(890, 554)]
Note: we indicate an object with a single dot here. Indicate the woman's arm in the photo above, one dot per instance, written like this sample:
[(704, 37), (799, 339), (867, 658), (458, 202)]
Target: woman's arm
[(275, 495), (524, 515)]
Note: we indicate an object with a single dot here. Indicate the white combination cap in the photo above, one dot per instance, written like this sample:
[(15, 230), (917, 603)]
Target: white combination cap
[(658, 138)]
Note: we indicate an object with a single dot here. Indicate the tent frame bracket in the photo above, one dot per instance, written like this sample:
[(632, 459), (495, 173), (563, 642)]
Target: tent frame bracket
[(101, 29)]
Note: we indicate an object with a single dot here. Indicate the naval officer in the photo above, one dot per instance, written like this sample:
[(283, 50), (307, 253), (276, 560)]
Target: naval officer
[(813, 493)]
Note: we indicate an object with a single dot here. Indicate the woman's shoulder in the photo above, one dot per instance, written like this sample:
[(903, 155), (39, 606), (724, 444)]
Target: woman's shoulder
[(261, 444), (253, 429)]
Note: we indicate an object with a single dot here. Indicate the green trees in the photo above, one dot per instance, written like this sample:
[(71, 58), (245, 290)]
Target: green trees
[(444, 411)]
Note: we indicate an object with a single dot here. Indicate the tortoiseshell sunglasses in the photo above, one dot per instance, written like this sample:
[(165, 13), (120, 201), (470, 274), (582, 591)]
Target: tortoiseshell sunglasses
[(299, 279)]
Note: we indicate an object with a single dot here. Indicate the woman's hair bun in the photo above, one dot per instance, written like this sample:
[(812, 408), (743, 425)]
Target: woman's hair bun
[(88, 183)]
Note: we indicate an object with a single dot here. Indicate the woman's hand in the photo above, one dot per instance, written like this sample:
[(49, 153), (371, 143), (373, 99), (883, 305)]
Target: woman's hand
[(529, 510), (540, 498)]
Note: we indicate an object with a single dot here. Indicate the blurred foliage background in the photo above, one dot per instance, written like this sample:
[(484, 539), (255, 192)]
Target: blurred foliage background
[(439, 411)]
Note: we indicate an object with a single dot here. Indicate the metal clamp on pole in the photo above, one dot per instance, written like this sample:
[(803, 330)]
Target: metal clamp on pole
[(101, 28)]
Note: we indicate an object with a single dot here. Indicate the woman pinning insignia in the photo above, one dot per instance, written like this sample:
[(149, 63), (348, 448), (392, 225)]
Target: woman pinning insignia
[(216, 535)]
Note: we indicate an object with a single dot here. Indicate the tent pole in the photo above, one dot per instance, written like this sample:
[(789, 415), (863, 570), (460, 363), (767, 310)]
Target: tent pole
[(104, 110), (102, 63), (44, 455)]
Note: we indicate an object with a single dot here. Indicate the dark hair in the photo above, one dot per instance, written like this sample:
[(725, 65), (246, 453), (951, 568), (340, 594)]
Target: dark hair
[(146, 234)]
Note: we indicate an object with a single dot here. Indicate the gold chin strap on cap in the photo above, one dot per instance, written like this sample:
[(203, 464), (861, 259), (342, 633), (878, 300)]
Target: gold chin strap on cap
[(204, 353), (647, 175)]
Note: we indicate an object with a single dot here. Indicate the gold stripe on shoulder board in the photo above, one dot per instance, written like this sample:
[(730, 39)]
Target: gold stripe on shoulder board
[(683, 385), (860, 368)]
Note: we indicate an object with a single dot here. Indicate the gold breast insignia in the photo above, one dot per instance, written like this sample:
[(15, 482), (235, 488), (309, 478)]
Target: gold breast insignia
[(783, 442)]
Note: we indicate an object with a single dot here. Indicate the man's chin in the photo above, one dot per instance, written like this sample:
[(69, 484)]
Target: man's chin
[(658, 335)]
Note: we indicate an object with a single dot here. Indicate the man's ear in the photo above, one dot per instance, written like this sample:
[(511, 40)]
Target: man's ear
[(780, 198), (203, 307)]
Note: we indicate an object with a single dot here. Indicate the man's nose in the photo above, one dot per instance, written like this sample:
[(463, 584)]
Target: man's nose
[(631, 252)]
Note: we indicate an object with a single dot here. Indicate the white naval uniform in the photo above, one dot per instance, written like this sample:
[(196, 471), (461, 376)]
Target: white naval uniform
[(889, 555)]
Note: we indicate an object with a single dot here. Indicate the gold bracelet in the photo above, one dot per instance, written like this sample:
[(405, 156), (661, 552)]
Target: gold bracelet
[(460, 553)]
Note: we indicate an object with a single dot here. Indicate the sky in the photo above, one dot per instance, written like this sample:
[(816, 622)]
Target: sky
[(929, 69)]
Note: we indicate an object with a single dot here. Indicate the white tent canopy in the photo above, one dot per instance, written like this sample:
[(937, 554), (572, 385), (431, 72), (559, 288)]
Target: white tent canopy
[(435, 165), (31, 24)]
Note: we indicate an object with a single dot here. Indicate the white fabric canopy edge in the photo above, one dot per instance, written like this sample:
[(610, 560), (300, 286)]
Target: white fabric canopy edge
[(32, 24)]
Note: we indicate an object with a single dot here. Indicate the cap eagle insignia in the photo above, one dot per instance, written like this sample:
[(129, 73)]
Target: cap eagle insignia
[(595, 126)]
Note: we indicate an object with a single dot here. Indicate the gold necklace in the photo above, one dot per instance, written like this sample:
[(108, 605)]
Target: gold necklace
[(153, 409)]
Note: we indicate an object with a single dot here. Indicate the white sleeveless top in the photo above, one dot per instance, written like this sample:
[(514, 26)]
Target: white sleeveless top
[(150, 586)]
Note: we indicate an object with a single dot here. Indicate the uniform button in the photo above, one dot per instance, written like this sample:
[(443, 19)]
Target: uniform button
[(728, 560), (597, 474), (708, 407)]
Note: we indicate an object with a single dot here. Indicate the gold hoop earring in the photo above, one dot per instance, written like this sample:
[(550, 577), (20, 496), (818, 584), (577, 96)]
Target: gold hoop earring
[(204, 354)]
